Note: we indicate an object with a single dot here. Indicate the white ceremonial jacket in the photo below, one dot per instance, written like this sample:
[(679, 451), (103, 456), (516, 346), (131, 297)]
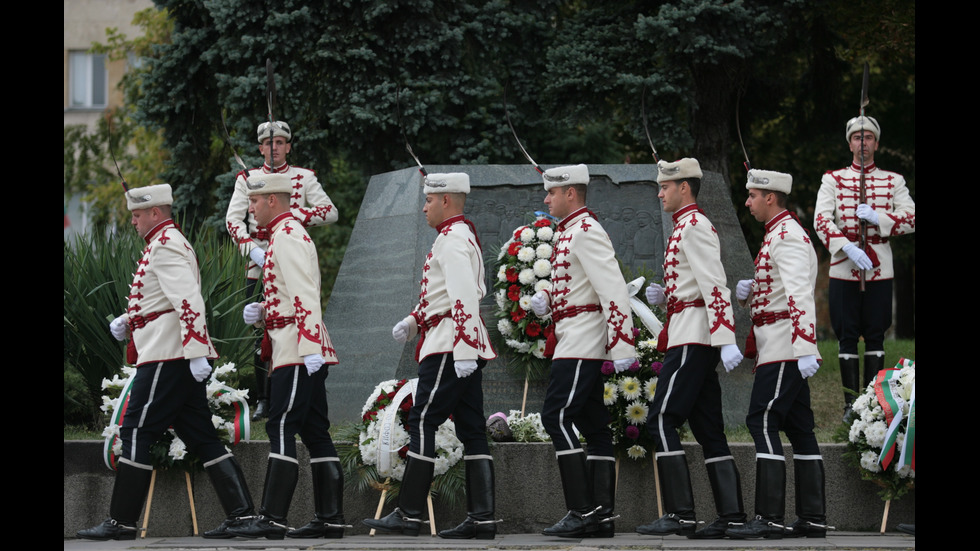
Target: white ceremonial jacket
[(309, 203), (165, 307), (693, 271), (291, 288), (785, 276), (452, 287), (837, 224), (585, 274)]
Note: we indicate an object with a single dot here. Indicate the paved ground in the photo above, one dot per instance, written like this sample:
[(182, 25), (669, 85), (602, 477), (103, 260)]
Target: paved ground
[(838, 541)]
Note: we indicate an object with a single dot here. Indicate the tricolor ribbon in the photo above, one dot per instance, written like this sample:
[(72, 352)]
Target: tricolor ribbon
[(117, 420), (886, 383), (240, 416)]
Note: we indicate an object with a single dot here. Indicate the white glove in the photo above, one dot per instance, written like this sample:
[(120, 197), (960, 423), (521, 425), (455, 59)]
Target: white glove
[(119, 327), (731, 356), (257, 254), (858, 256), (465, 368), (400, 331), (540, 303), (623, 364), (200, 368), (808, 366), (743, 289), (313, 363), (655, 294), (868, 214), (252, 313)]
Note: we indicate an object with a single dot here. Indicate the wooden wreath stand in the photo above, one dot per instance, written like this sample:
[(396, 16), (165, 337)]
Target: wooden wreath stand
[(149, 503)]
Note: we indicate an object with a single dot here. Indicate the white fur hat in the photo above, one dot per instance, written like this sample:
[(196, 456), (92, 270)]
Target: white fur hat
[(448, 182), (149, 196), (565, 176), (769, 180), (862, 123), (688, 167), (279, 128), (265, 184)]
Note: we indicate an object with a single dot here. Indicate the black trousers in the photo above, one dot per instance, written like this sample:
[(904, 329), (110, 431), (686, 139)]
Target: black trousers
[(439, 394), (165, 395), (781, 401), (574, 396), (298, 405), (688, 390), (854, 314)]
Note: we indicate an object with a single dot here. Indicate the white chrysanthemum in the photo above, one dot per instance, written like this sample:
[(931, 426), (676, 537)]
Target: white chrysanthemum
[(874, 434), (857, 429), (648, 344), (503, 251), (636, 452), (527, 235), (522, 347), (525, 254), (542, 284), (630, 388), (502, 274), (869, 461), (905, 471), (650, 389), (110, 431), (545, 234), (861, 403), (542, 268), (501, 298), (217, 421), (609, 394), (177, 449), (636, 413), (505, 327), (525, 302), (544, 251), (526, 276), (117, 447), (108, 404), (554, 237), (538, 350), (128, 371)]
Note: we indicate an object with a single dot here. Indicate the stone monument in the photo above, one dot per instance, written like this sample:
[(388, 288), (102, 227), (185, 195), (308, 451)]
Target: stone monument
[(378, 282)]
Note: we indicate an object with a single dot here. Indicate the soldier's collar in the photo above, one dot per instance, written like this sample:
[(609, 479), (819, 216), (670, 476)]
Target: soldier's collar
[(157, 229), (685, 210), (449, 222), (278, 170), (867, 168), (572, 217)]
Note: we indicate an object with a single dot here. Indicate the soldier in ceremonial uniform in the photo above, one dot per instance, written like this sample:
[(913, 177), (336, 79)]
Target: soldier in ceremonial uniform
[(784, 342), (593, 324), (308, 203), (300, 351), (170, 347), (452, 350), (700, 329), (888, 211)]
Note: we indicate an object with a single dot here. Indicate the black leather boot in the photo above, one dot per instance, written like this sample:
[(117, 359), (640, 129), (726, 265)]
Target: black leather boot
[(229, 483), (770, 503), (849, 377), (128, 494), (726, 487), (811, 507), (675, 483), (874, 361), (407, 517), (479, 522), (580, 521), (280, 482), (603, 472), (328, 502)]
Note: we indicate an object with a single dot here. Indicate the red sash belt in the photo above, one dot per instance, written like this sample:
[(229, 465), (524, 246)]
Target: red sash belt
[(674, 308), (272, 323), (139, 322), (765, 318), (565, 313), (429, 323)]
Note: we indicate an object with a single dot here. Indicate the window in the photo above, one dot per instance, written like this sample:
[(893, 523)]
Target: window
[(87, 80)]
